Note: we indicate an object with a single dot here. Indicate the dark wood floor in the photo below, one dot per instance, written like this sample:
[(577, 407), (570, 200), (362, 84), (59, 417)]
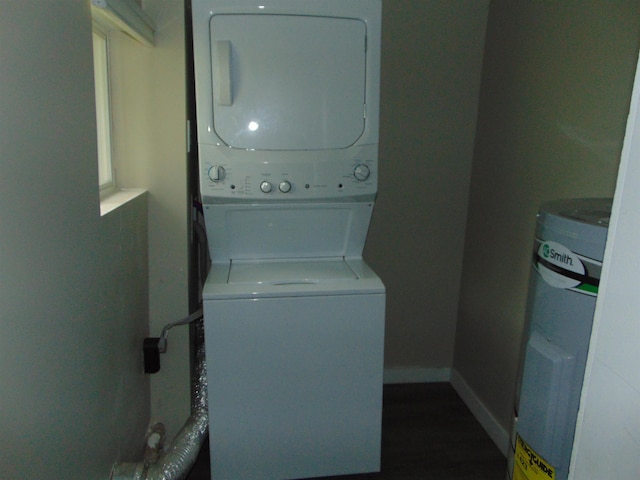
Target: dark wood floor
[(427, 433)]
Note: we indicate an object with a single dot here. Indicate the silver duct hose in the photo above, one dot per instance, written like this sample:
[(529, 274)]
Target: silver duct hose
[(176, 462)]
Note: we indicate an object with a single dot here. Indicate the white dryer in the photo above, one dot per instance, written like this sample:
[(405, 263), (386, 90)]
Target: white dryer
[(287, 135)]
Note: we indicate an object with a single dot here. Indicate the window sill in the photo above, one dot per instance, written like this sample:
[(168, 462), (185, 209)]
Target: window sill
[(118, 198)]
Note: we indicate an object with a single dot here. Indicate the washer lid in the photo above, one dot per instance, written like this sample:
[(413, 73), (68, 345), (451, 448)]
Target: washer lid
[(255, 279), (289, 272)]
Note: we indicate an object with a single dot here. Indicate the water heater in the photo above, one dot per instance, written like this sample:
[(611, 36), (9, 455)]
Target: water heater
[(566, 265)]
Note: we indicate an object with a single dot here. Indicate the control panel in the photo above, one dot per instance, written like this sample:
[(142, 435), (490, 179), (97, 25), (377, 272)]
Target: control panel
[(284, 176)]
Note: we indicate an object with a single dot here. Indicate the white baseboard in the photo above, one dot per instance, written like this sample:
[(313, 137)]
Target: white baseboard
[(416, 375), (498, 434)]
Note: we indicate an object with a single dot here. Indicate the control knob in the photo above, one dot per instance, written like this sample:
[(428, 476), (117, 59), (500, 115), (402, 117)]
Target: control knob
[(266, 187), (216, 173), (361, 172), (285, 186)]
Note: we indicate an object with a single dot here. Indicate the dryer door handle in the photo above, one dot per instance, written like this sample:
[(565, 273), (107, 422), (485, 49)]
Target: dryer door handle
[(222, 91)]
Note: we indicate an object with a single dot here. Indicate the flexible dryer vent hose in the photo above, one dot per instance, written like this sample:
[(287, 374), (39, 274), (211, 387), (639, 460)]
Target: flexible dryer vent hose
[(176, 462)]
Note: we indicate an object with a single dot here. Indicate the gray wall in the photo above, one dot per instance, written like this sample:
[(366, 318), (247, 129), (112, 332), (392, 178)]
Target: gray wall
[(555, 94), (431, 63), (73, 284), (148, 86)]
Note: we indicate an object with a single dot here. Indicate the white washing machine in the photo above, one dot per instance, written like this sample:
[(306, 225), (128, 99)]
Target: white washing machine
[(295, 368), (295, 345), (287, 123)]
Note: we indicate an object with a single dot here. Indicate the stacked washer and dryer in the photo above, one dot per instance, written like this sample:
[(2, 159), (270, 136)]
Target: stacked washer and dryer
[(286, 95)]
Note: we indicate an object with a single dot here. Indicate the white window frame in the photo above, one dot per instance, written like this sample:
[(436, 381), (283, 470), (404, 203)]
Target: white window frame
[(106, 174)]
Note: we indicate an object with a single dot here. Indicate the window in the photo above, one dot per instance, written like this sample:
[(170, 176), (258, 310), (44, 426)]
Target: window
[(112, 15), (103, 112)]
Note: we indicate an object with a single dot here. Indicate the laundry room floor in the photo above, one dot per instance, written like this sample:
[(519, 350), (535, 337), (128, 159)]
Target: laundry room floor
[(428, 433)]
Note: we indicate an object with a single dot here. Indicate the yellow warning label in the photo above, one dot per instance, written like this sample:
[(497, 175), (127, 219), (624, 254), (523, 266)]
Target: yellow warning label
[(528, 465)]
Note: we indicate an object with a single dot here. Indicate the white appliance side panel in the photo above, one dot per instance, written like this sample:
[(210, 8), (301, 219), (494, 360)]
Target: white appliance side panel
[(288, 82), (295, 386)]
